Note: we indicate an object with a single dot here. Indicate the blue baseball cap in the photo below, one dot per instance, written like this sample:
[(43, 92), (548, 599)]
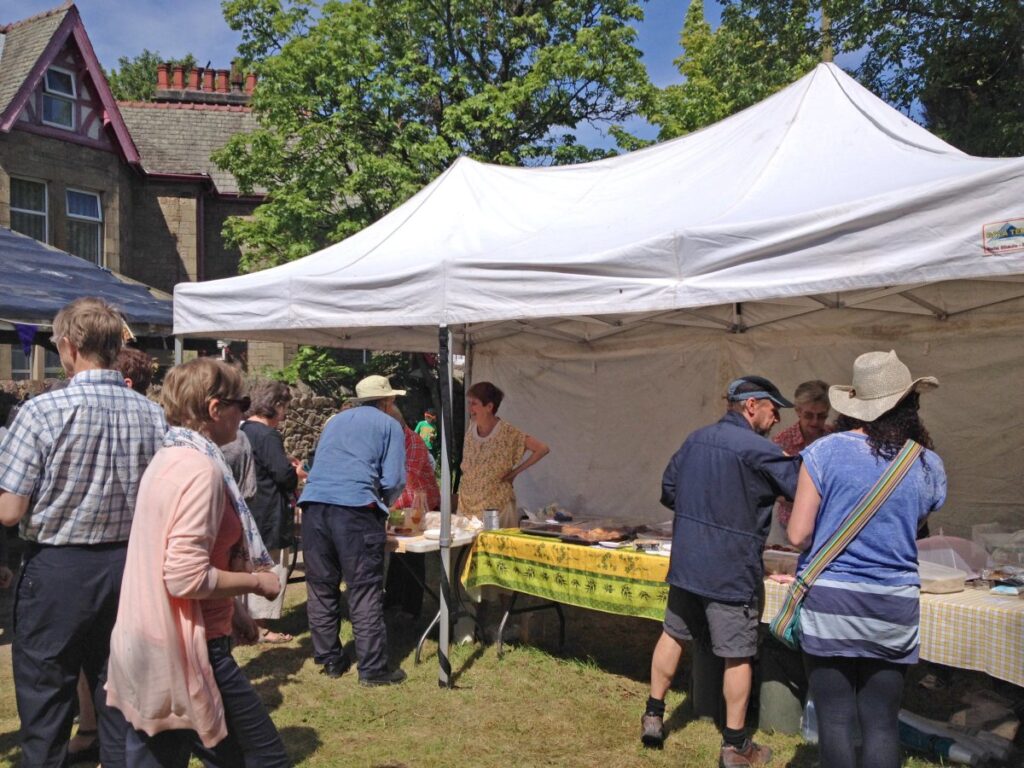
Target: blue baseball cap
[(756, 387)]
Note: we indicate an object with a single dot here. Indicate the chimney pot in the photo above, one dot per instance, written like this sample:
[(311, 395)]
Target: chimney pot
[(208, 79), (250, 82), (222, 81), (193, 79), (161, 77), (178, 78)]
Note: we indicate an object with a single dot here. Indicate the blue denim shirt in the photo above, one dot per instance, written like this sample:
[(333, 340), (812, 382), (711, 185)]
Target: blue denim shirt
[(722, 484), (360, 461)]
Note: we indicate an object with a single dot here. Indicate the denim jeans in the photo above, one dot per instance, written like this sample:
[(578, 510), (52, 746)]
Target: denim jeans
[(252, 740)]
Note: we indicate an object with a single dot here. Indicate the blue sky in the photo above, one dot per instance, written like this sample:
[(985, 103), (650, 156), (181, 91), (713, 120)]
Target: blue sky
[(119, 28)]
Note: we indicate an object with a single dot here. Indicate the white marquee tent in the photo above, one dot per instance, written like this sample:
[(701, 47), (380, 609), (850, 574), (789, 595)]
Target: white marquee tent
[(613, 300)]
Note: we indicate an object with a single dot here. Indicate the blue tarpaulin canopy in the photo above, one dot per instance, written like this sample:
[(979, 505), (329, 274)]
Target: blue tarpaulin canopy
[(39, 279)]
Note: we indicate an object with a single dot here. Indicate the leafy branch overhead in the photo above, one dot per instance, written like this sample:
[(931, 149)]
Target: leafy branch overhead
[(956, 66), (362, 103)]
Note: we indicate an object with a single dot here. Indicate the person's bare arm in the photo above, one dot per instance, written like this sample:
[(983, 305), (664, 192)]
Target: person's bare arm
[(805, 511), (231, 583), (12, 507), (538, 451)]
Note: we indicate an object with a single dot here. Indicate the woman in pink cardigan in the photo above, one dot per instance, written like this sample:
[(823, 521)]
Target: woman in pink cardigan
[(193, 548)]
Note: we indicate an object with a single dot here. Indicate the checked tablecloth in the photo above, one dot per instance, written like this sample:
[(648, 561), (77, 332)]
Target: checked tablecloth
[(969, 630), (621, 581)]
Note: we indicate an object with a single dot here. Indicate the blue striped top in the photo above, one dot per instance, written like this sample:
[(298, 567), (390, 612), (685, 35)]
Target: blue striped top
[(866, 603)]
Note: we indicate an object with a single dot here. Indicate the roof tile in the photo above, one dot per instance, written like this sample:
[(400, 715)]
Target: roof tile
[(23, 44)]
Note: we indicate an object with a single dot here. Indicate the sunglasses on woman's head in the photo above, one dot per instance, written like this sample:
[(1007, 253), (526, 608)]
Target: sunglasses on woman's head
[(243, 403)]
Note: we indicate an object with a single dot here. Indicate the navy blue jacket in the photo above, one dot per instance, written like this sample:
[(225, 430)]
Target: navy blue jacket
[(722, 484)]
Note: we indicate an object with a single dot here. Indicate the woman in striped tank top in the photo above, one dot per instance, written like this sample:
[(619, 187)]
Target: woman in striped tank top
[(859, 622)]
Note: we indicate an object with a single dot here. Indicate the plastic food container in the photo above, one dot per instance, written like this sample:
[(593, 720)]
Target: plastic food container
[(780, 561), (939, 579)]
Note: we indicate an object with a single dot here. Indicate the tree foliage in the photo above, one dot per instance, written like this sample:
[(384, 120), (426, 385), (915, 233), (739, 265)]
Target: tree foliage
[(955, 65), (960, 61), (752, 54), (135, 77), (361, 103)]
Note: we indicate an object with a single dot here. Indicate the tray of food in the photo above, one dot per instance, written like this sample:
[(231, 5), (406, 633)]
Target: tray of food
[(553, 530), (655, 531), (596, 531), (590, 532)]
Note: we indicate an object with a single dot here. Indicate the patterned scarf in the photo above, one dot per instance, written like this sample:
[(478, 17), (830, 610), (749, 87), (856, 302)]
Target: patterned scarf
[(256, 557)]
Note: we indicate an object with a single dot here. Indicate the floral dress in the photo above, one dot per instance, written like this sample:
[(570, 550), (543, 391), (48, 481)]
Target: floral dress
[(485, 460)]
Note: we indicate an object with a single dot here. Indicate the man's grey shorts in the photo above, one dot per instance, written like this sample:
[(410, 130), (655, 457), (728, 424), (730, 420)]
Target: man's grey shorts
[(729, 629)]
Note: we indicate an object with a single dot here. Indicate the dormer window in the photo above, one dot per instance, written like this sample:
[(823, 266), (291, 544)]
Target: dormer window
[(59, 98)]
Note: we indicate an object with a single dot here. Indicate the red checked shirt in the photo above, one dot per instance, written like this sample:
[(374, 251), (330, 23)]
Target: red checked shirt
[(791, 440), (419, 473)]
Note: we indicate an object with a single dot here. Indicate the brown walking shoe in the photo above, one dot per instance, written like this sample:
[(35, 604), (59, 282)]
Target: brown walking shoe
[(653, 734), (754, 754)]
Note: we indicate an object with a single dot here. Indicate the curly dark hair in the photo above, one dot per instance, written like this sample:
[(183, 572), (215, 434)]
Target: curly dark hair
[(888, 433)]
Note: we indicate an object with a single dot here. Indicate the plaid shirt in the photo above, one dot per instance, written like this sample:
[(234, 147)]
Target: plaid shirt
[(419, 473), (78, 453)]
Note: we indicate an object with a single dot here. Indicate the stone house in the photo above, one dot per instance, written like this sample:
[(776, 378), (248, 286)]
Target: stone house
[(128, 185)]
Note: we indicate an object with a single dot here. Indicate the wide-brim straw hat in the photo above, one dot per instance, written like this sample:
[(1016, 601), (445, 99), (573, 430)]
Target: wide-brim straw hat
[(880, 381), (375, 388)]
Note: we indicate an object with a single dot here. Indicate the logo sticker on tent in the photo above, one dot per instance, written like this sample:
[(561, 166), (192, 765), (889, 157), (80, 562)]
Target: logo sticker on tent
[(1003, 236)]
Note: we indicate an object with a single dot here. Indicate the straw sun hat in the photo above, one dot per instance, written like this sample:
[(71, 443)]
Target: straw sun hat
[(880, 381), (375, 388)]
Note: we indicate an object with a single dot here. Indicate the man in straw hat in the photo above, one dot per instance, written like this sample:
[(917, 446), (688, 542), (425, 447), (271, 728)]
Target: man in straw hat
[(358, 472), (722, 484)]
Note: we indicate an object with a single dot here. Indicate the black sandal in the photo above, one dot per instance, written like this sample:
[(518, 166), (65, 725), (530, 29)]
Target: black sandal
[(90, 754)]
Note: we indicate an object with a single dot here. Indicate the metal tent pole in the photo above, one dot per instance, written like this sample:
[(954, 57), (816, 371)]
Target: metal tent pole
[(444, 678), (179, 349)]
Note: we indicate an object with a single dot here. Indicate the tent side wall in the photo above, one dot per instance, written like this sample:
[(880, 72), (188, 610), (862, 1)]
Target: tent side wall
[(613, 413)]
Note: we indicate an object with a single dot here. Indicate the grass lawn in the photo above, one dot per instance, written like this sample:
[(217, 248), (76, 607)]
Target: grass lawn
[(534, 707)]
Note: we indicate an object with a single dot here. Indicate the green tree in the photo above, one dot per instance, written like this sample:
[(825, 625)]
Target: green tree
[(960, 61), (956, 65), (361, 103), (135, 78), (752, 54)]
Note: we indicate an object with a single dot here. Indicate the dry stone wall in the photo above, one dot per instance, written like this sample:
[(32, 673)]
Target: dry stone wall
[(307, 415)]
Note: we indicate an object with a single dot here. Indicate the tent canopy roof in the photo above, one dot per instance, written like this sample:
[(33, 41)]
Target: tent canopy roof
[(821, 195), (40, 279)]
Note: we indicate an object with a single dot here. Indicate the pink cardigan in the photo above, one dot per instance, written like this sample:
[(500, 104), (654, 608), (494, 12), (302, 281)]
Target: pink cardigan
[(159, 673)]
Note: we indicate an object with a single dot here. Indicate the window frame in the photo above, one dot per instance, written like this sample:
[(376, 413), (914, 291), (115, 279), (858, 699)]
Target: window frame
[(69, 98), (88, 219), (45, 213)]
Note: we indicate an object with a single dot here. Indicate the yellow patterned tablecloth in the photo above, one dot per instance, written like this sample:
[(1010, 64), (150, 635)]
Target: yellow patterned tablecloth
[(968, 630), (621, 581)]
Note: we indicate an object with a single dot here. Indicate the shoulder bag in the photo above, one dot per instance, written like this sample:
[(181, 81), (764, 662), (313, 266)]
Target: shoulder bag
[(785, 626)]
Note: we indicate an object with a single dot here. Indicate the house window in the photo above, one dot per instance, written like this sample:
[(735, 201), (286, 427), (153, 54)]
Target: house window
[(85, 225), (59, 98), (28, 208), (21, 364)]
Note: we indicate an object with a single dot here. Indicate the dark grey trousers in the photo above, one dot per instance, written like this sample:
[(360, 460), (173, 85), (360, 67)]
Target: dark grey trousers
[(64, 612), (346, 543)]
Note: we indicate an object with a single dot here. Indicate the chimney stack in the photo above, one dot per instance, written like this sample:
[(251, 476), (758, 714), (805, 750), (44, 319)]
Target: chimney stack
[(204, 85)]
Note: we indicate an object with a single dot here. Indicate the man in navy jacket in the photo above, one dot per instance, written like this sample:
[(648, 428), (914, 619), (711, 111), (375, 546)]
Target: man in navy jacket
[(722, 484)]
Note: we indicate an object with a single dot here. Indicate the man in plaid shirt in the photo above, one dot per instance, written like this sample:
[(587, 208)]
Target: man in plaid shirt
[(69, 472)]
